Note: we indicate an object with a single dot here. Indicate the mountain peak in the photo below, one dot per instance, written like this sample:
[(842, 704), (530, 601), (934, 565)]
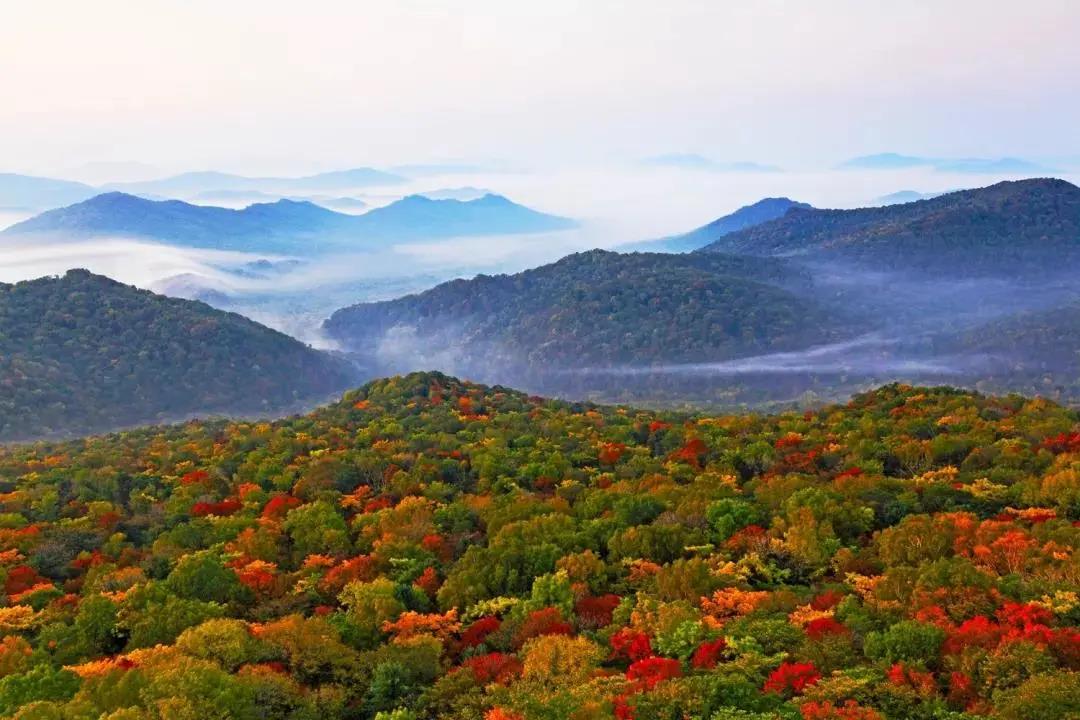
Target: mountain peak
[(756, 213), (1010, 226)]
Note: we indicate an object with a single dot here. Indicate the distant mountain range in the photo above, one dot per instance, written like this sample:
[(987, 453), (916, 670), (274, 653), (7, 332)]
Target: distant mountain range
[(972, 286), (456, 193), (82, 353), (29, 193), (595, 308), (1026, 226), (905, 196), (894, 161), (284, 226), (746, 216), (187, 184), (243, 198)]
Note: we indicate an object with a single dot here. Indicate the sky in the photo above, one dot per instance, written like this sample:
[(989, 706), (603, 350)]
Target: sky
[(263, 86)]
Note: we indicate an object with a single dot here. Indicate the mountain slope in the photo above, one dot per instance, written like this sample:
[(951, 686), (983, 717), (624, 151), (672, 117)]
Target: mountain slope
[(83, 353), (284, 226), (747, 216), (595, 308), (1010, 227), (894, 161), (189, 183), (1029, 352), (37, 193), (416, 217), (433, 549)]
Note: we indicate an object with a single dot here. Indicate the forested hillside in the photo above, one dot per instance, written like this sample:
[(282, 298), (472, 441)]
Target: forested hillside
[(428, 548), (82, 353), (593, 308), (762, 211), (1011, 228)]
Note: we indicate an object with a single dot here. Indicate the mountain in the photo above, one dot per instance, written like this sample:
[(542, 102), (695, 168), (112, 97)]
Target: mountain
[(1021, 227), (690, 161), (904, 196), (1034, 352), (285, 226), (1006, 165), (190, 183), (456, 193), (416, 217), (252, 197), (428, 548), (746, 216), (596, 308), (83, 353), (894, 161), (27, 192), (269, 227)]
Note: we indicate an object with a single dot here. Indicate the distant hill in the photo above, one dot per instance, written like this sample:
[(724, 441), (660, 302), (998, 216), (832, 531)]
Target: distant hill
[(83, 353), (904, 196), (894, 161), (1034, 352), (191, 183), (746, 216), (284, 226), (594, 308), (456, 193), (1026, 226), (27, 192), (252, 197), (417, 217)]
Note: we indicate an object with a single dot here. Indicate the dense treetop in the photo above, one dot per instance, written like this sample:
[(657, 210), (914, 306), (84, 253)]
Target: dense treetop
[(81, 352), (428, 548)]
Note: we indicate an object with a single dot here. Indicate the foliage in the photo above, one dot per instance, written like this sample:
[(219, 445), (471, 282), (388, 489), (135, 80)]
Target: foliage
[(428, 548), (83, 353)]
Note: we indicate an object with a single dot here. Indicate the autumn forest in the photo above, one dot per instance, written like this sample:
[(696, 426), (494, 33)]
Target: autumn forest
[(431, 548)]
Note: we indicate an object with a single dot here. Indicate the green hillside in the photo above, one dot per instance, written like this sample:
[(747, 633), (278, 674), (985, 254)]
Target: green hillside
[(83, 353)]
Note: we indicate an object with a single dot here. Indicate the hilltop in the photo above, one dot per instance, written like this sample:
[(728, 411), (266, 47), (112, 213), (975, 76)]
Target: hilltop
[(1026, 226), (747, 216), (285, 226), (83, 353), (592, 308)]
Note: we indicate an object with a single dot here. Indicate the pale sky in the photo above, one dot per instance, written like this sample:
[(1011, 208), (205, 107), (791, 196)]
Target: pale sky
[(266, 86)]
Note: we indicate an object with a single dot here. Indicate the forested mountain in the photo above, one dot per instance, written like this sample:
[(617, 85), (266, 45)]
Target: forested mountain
[(762, 211), (1035, 352), (284, 226), (82, 353), (1027, 226), (593, 308), (428, 549)]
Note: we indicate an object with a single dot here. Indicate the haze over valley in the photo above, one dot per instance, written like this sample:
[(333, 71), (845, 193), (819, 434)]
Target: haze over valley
[(561, 360)]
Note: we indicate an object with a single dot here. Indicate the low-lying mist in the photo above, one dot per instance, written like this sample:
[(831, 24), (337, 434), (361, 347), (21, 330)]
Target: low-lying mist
[(903, 329), (908, 320)]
